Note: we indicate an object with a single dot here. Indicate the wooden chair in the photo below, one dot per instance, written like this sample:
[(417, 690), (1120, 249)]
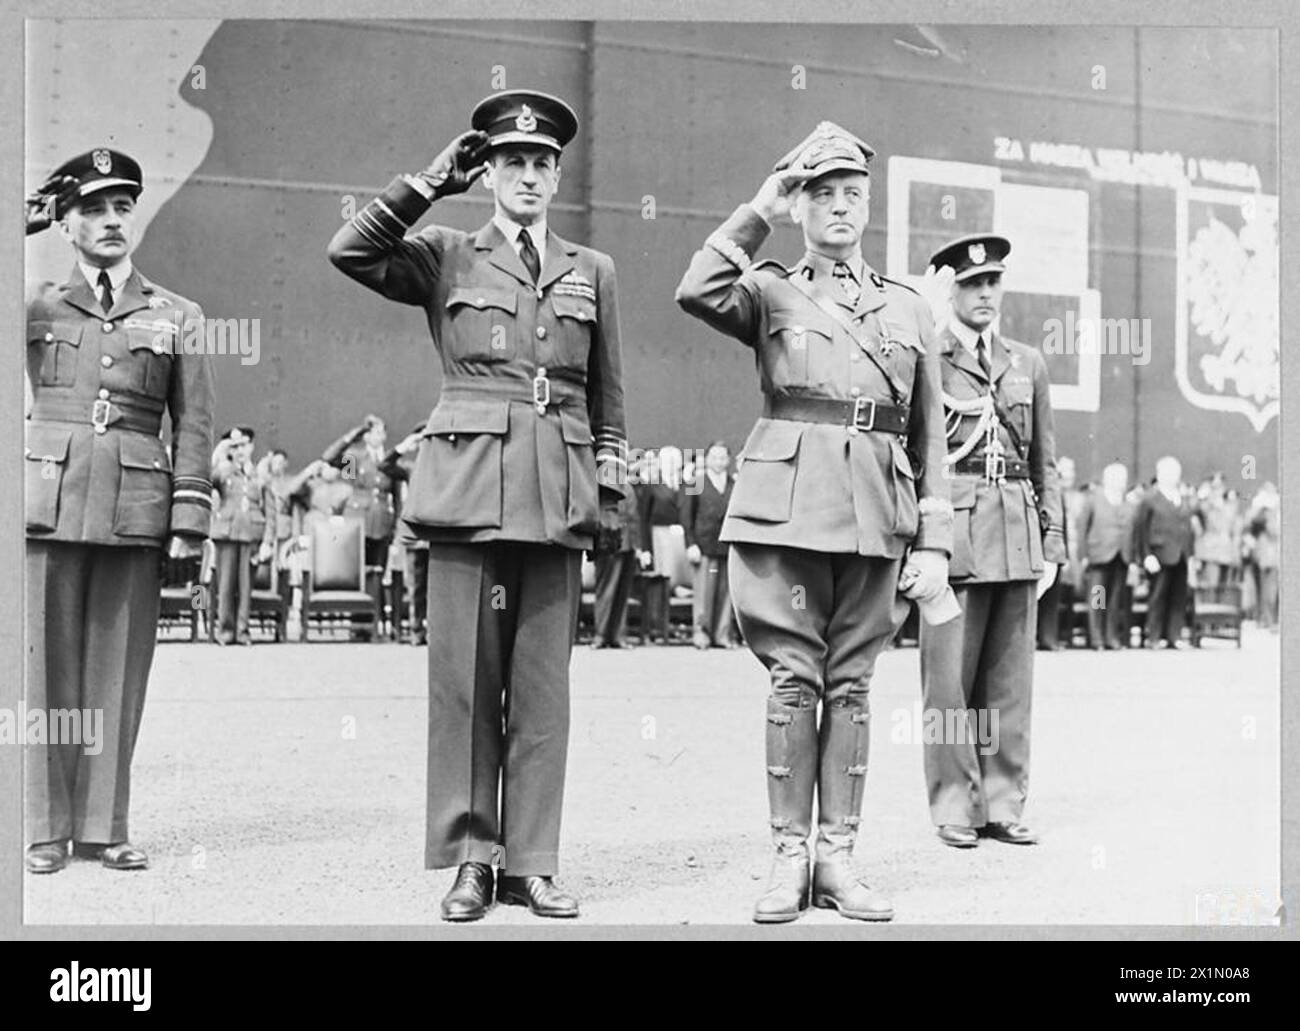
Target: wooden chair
[(270, 598), (335, 581), (1217, 613)]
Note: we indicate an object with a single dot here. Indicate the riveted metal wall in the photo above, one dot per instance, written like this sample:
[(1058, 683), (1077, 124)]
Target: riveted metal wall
[(680, 121)]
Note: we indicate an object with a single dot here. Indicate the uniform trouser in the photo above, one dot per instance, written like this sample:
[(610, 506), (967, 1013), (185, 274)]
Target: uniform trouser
[(234, 586), (1167, 603), (976, 669), (615, 572), (502, 616), (1107, 600), (1268, 597), (92, 620), (420, 589), (817, 621), (711, 603), (376, 561)]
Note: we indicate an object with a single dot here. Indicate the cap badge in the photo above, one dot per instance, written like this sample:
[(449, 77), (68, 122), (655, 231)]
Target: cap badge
[(103, 161), (527, 121), (977, 253)]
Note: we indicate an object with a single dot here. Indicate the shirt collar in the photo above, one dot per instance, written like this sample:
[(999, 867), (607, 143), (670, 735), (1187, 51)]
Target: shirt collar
[(117, 275), (823, 266), (968, 337), (511, 230)]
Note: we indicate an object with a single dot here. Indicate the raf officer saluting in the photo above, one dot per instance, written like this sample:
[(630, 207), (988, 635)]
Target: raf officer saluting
[(1007, 525), (505, 487), (103, 493), (841, 477)]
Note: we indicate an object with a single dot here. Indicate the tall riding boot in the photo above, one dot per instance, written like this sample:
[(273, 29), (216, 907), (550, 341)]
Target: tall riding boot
[(845, 734), (791, 779)]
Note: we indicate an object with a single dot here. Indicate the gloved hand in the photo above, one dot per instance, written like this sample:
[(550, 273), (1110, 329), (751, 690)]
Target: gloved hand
[(460, 163), (50, 199), (936, 288), (924, 576)]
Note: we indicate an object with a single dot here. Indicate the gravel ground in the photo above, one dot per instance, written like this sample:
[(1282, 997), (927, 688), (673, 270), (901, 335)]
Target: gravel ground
[(284, 785)]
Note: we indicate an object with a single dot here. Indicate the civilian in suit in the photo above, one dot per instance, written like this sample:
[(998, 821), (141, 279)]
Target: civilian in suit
[(104, 495), (523, 450), (1105, 532), (704, 507), (1163, 540), (1265, 524), (1056, 605), (660, 497)]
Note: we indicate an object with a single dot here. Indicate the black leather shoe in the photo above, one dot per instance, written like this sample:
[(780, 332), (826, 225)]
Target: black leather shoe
[(958, 836), (47, 857), (1011, 833), (120, 855), (539, 894), (471, 896)]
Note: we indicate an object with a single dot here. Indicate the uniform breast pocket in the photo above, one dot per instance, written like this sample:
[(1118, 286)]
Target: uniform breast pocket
[(764, 489), (799, 347), (144, 490), (53, 348), (482, 324), (575, 319), (46, 454), (151, 350)]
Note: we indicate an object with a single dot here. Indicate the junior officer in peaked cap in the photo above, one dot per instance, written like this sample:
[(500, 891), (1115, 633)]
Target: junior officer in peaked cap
[(840, 488), (523, 450), (104, 495), (1007, 532)]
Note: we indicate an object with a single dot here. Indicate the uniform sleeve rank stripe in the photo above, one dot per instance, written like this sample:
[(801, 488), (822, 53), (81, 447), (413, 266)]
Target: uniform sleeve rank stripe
[(379, 203), (193, 497), (730, 250), (373, 229)]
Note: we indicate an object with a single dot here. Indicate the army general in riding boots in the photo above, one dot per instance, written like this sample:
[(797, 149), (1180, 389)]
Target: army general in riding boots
[(105, 362), (506, 486), (840, 487), (1007, 532)]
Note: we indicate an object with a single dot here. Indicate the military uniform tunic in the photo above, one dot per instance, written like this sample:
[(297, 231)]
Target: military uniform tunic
[(505, 489), (1003, 530), (103, 492)]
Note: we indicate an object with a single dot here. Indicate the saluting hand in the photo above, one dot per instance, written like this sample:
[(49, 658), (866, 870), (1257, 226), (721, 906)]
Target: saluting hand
[(459, 164), (776, 196), (936, 288), (52, 194)]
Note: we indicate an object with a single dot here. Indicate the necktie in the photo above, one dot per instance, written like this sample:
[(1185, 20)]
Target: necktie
[(528, 252), (982, 353), (846, 282), (105, 291)]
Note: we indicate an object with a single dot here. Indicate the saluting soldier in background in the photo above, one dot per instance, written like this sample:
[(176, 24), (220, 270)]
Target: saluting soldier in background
[(243, 531), (840, 478), (1007, 524), (359, 453), (103, 493), (505, 486)]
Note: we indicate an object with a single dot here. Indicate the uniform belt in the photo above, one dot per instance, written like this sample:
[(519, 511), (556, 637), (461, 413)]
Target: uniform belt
[(974, 465), (542, 391), (861, 413), (101, 413)]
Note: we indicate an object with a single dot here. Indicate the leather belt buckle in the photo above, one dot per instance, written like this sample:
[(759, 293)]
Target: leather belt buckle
[(995, 467), (541, 391), (99, 413), (856, 422)]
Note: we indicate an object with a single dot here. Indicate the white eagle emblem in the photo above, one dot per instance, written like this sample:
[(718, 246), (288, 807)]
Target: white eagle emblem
[(103, 161), (527, 121), (976, 253), (1227, 341)]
